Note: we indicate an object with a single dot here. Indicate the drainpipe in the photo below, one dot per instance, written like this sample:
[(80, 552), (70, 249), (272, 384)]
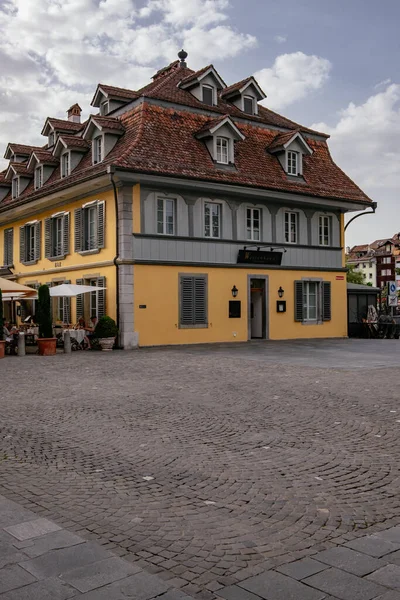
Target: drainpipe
[(373, 206), (111, 171)]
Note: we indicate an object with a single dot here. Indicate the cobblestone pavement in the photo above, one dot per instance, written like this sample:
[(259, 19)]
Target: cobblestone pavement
[(207, 466)]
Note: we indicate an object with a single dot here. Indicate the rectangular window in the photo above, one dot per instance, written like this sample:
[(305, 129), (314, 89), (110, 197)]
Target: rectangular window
[(51, 138), (324, 230), (92, 304), (193, 301), (312, 301), (65, 166), (212, 220), (291, 227), (248, 105), (166, 216), (90, 227), (208, 95), (364, 266), (15, 187), (370, 275), (29, 242), (387, 260), (56, 236), (38, 177), (253, 220), (222, 150), (8, 247), (98, 149), (292, 163)]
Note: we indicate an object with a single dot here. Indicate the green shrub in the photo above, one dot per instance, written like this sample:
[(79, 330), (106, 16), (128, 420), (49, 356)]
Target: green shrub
[(1, 317), (43, 314), (106, 328)]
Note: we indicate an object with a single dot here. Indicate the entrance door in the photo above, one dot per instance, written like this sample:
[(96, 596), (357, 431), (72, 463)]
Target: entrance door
[(257, 309)]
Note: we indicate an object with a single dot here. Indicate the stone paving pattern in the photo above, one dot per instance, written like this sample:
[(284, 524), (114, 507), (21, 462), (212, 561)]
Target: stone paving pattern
[(212, 467)]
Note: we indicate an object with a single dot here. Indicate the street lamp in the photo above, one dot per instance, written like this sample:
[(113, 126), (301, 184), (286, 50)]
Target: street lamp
[(281, 291), (234, 291)]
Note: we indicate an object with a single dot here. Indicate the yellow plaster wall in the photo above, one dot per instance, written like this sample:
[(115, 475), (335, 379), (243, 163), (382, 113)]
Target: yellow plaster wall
[(136, 209), (157, 287)]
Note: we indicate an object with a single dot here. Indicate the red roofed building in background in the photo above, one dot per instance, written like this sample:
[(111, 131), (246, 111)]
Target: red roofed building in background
[(207, 216)]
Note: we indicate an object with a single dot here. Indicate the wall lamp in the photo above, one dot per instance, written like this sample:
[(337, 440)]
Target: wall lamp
[(281, 291), (234, 291)]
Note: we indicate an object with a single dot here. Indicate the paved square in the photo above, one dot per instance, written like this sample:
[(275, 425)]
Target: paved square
[(209, 465)]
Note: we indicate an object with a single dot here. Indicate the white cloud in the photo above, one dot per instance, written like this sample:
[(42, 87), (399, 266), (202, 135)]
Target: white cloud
[(292, 77), (383, 83), (280, 39), (53, 53)]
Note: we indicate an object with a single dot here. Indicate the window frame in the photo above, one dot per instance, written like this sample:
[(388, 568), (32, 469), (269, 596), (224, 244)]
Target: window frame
[(52, 139), (65, 164), (289, 163), (98, 156), (38, 177), (289, 214), (220, 143), (252, 99), (219, 206), (206, 86), (193, 276), (324, 223), (164, 223), (15, 187), (252, 210), (306, 305), (30, 242)]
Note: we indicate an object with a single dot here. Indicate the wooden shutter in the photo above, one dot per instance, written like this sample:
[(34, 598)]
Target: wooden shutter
[(101, 224), (8, 247), (78, 229), (101, 298), (37, 241), (326, 301), (47, 238), (79, 302), (66, 306), (200, 301), (187, 300), (298, 301), (65, 249), (22, 250)]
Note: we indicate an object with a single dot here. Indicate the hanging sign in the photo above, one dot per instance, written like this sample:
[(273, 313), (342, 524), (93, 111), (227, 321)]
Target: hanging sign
[(259, 257)]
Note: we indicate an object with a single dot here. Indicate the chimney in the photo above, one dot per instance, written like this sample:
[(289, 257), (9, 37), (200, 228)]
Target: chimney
[(74, 113)]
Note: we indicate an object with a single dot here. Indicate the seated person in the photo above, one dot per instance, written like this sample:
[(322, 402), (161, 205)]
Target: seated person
[(89, 330), (6, 331)]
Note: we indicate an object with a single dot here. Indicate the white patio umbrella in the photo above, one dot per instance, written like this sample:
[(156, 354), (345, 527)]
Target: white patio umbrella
[(70, 290), (15, 290)]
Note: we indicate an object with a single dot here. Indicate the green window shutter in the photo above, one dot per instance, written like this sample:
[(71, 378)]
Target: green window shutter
[(326, 301), (37, 241), (79, 302), (78, 229), (47, 237), (298, 301), (187, 300), (200, 301), (101, 298), (65, 249), (22, 248), (101, 224)]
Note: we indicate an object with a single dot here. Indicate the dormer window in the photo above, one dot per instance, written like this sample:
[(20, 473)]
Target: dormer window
[(65, 165), (222, 150), (15, 187), (98, 149), (208, 94), (292, 163), (248, 105), (38, 177), (52, 138), (104, 108)]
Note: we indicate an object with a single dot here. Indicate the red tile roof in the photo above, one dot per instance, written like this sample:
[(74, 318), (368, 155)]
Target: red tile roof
[(63, 125), (282, 139), (23, 149), (235, 87), (20, 169), (73, 141), (195, 74), (46, 157), (108, 122), (118, 92)]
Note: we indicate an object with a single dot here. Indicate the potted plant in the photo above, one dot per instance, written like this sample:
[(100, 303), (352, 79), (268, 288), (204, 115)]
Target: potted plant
[(2, 340), (106, 331), (46, 341)]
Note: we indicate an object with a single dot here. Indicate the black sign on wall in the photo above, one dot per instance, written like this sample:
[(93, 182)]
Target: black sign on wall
[(259, 257), (234, 309)]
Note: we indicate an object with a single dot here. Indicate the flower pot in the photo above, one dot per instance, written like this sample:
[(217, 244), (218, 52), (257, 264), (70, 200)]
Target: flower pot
[(2, 348), (47, 346), (107, 343)]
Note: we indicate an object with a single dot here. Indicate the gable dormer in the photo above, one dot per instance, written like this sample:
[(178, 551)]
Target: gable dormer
[(19, 153), (108, 98), (19, 176), (42, 163), (245, 95), (103, 133), (220, 136), (69, 150), (204, 85), (54, 127), (290, 148)]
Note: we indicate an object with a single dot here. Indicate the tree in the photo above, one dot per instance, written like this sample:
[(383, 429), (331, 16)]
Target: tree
[(354, 276), (44, 313)]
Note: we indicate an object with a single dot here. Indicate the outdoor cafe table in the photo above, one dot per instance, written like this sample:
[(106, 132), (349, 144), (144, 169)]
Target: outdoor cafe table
[(78, 334)]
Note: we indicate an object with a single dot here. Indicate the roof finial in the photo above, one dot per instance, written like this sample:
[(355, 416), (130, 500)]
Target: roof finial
[(182, 55)]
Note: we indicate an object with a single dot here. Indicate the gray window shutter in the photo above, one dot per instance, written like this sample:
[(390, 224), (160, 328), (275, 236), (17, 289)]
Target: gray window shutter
[(78, 229), (65, 234), (101, 224), (22, 251), (47, 237), (8, 247), (37, 241), (67, 306), (298, 301), (326, 301), (187, 300), (101, 298), (200, 301), (79, 302)]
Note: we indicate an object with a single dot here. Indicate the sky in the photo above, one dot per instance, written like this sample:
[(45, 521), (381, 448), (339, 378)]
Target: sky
[(331, 65)]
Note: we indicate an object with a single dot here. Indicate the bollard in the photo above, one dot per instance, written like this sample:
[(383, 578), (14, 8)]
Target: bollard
[(67, 342), (21, 344)]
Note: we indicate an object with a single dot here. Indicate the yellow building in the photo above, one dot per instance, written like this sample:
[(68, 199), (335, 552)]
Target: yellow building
[(206, 216)]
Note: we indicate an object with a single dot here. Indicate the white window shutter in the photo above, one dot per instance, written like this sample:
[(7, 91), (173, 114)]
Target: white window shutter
[(79, 301), (101, 298), (65, 250), (37, 241), (78, 229), (47, 237), (22, 251), (101, 224)]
